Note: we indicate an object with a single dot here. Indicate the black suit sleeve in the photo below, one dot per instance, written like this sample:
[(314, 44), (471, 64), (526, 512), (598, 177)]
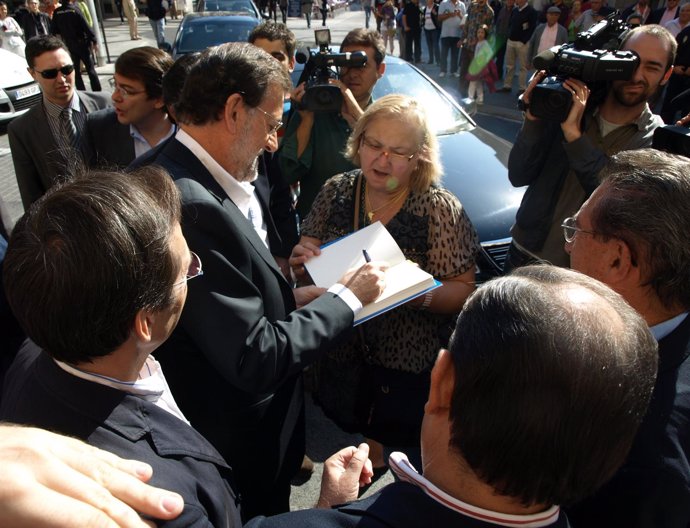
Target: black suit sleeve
[(238, 312)]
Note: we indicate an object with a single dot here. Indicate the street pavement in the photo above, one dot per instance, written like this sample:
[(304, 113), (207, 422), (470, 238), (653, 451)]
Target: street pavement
[(323, 437)]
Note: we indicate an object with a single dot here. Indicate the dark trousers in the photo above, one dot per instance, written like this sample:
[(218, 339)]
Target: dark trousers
[(283, 13), (432, 45), (367, 16), (500, 58), (413, 45), (449, 43), (81, 53), (466, 57)]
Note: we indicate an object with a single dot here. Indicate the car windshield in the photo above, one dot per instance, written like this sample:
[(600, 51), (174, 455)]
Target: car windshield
[(236, 6), (400, 78), (201, 34)]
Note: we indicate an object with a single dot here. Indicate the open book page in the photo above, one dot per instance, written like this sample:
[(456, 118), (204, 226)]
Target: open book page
[(345, 253), (404, 279)]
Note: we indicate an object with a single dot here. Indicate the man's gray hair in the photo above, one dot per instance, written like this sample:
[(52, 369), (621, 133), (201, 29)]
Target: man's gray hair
[(645, 201)]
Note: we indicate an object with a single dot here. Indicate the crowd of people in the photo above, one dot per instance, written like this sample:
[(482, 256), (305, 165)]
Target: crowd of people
[(175, 217)]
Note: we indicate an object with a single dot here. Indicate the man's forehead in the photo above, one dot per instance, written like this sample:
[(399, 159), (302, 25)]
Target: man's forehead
[(271, 46), (648, 47), (53, 56)]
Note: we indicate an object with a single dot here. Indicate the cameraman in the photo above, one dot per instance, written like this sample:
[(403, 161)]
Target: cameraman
[(314, 141), (560, 162)]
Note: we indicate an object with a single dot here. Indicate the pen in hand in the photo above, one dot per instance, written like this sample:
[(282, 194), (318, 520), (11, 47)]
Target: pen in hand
[(367, 258)]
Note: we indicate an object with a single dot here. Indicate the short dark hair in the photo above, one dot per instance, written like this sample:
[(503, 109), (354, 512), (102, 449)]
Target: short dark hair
[(88, 256), (220, 71), (146, 64), (174, 78), (553, 375), (645, 201), (661, 33), (270, 30), (36, 46), (369, 38)]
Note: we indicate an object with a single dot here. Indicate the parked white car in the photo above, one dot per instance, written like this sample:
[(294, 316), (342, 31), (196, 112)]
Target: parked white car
[(18, 90)]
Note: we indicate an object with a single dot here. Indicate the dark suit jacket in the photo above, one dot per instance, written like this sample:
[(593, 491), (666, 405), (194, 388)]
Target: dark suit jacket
[(398, 505), (234, 362), (652, 489), (38, 163), (106, 142), (40, 393)]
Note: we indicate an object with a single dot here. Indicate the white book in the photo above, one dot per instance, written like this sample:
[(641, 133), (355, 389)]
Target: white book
[(404, 279)]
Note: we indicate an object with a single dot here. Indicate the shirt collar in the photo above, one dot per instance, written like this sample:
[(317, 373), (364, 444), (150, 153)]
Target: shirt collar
[(55, 110), (406, 472), (661, 330), (645, 121), (149, 386)]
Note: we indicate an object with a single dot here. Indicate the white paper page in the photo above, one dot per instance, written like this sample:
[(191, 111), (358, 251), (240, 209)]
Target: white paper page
[(346, 253)]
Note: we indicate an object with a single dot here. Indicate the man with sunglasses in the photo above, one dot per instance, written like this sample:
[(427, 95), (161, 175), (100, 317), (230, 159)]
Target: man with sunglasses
[(633, 234), (46, 141), (139, 121), (235, 360)]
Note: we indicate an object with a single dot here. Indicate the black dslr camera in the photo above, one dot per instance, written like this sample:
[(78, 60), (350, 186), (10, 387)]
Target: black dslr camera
[(594, 57), (319, 95)]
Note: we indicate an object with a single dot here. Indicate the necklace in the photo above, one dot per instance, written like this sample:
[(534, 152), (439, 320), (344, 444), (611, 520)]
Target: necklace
[(371, 211)]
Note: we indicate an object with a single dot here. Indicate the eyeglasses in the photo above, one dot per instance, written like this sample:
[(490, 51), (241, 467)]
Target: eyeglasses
[(194, 269), (53, 72), (570, 229), (393, 157), (124, 92), (274, 123)]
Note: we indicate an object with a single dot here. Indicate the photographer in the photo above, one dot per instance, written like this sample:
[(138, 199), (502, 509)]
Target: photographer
[(314, 141), (560, 162)]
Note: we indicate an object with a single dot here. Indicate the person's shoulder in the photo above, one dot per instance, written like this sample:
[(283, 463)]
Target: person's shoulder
[(21, 123), (98, 100), (103, 116)]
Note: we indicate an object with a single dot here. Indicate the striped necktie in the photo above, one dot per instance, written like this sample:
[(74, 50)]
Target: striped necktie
[(69, 128)]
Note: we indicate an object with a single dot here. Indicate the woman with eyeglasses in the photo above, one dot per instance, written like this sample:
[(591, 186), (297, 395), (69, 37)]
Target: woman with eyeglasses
[(377, 382)]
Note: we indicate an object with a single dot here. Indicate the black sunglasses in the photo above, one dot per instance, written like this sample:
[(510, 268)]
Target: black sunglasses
[(53, 72)]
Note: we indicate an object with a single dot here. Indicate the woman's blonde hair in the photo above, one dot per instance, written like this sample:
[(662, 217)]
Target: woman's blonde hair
[(408, 109)]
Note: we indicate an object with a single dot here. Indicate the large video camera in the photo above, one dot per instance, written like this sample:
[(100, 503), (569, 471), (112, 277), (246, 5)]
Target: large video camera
[(320, 67), (594, 57)]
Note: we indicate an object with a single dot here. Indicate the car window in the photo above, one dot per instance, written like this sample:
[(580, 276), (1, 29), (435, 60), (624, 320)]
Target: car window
[(235, 6), (399, 78), (205, 33)]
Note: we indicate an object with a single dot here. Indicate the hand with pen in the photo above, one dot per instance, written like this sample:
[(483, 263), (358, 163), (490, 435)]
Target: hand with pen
[(365, 282)]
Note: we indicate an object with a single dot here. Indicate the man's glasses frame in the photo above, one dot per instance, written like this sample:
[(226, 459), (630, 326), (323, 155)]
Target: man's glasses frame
[(275, 126), (52, 73), (570, 229), (124, 92), (195, 269)]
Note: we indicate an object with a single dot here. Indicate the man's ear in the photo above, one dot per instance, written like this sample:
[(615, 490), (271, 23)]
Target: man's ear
[(442, 384), (667, 76), (381, 69), (233, 106), (621, 266), (158, 104), (143, 325), (291, 64)]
